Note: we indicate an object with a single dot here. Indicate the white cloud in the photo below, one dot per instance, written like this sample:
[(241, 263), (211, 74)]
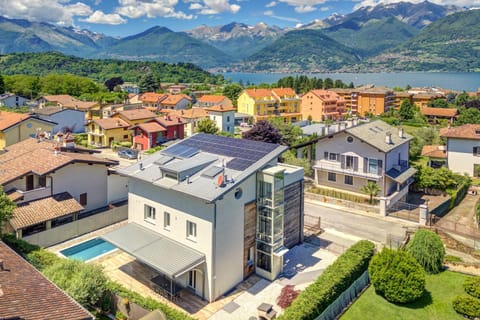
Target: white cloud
[(323, 9), (150, 9), (52, 11), (209, 7), (271, 14), (271, 4), (303, 6), (103, 18), (460, 3)]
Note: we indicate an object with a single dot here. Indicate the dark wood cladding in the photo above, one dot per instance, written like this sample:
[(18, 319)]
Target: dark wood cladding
[(250, 225), (293, 214)]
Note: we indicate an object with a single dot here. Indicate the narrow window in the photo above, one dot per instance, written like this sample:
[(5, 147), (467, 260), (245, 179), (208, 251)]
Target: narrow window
[(42, 181), (83, 199), (166, 220), (149, 213), (191, 230), (332, 176)]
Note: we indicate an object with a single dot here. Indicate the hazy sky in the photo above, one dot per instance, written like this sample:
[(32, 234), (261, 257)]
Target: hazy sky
[(127, 17)]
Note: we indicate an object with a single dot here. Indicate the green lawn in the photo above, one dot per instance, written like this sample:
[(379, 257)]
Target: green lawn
[(436, 303)]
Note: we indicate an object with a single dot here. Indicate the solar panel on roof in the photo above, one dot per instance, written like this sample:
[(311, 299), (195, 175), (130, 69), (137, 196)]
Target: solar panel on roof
[(181, 151)]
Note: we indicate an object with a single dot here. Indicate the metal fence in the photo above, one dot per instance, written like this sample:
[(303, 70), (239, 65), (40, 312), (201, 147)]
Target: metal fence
[(404, 210), (337, 307)]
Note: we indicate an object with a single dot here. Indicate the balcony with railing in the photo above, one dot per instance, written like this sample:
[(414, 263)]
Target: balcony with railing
[(334, 166), (40, 192)]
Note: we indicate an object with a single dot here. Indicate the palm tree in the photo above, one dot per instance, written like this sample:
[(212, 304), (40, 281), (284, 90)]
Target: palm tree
[(372, 189)]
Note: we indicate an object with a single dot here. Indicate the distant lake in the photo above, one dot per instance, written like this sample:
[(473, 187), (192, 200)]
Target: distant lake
[(468, 81)]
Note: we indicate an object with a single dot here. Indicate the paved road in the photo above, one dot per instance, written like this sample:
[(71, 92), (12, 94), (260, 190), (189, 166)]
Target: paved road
[(365, 227)]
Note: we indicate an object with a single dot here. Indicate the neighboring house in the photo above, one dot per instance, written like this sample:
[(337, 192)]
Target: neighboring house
[(150, 99), (435, 114), (374, 100), (209, 100), (158, 131), (176, 88), (53, 183), (134, 116), (67, 120), (130, 88), (26, 294), (175, 102), (374, 151), (401, 96), (224, 118), (264, 104), (321, 105), (436, 154), (11, 100), (350, 96), (422, 100), (91, 109), (16, 127), (209, 211), (191, 117), (102, 132), (134, 98), (463, 148)]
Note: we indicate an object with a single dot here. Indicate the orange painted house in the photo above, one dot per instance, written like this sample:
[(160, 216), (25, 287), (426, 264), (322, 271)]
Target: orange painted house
[(320, 105)]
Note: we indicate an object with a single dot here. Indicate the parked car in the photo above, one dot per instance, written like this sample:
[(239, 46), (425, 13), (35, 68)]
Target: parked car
[(127, 154)]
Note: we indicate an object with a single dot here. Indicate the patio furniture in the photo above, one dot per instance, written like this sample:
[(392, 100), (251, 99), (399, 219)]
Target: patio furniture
[(266, 312)]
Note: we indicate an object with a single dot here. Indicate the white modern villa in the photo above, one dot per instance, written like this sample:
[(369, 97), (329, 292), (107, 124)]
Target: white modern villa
[(209, 211)]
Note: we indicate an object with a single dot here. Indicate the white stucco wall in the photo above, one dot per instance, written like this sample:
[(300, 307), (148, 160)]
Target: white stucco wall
[(392, 156), (460, 155), (81, 178), (225, 121), (117, 188)]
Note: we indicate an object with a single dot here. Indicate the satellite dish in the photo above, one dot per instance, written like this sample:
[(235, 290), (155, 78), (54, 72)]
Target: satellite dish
[(220, 180)]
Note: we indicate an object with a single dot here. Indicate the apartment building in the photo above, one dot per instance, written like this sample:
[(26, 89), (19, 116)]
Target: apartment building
[(321, 105)]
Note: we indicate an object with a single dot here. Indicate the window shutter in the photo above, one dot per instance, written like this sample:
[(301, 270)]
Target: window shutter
[(342, 160), (380, 166), (325, 155), (365, 165), (475, 151), (355, 163)]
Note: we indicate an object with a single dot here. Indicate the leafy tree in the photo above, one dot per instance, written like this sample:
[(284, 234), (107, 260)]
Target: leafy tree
[(461, 98), (6, 208), (148, 83), (466, 116), (290, 158), (263, 131), (438, 103), (407, 110), (86, 283), (371, 189), (290, 133), (207, 125), (397, 276), (232, 91), (113, 82), (2, 85), (427, 248), (328, 83)]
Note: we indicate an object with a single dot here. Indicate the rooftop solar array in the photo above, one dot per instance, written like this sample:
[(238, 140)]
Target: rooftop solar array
[(244, 152)]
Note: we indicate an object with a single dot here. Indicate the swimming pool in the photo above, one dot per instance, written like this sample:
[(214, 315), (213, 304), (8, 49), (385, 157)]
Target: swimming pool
[(88, 250)]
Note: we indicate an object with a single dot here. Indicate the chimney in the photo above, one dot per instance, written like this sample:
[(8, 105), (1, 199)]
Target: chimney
[(179, 120), (400, 132), (388, 137)]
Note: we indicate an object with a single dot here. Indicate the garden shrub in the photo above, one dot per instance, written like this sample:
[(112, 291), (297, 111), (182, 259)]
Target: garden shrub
[(427, 248), (20, 246), (42, 258), (397, 276), (312, 301), (472, 286), (287, 295), (452, 259), (467, 305)]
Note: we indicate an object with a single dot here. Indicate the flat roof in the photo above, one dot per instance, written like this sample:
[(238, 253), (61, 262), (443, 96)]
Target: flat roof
[(160, 253)]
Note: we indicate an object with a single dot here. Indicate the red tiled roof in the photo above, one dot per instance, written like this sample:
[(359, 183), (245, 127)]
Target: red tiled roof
[(434, 151), (467, 131), (111, 123), (220, 109), (70, 102), (150, 97), (41, 210), (171, 120), (8, 119), (284, 92), (174, 99), (327, 95), (137, 114), (27, 294), (208, 98), (193, 113), (151, 127), (258, 93), (439, 112), (30, 156)]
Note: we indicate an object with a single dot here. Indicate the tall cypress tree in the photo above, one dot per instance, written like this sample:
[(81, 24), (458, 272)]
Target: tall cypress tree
[(2, 85)]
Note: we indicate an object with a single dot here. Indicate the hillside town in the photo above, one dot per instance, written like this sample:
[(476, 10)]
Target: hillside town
[(192, 204)]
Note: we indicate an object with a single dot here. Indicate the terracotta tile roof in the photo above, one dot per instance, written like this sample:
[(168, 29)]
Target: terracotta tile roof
[(14, 195), (27, 294), (467, 131), (209, 98), (220, 109), (111, 123), (174, 99), (439, 112), (327, 95), (170, 120), (150, 97), (41, 210), (281, 92), (258, 93), (151, 127), (30, 156), (403, 94), (70, 102), (8, 119), (434, 151), (137, 114), (427, 96), (193, 113)]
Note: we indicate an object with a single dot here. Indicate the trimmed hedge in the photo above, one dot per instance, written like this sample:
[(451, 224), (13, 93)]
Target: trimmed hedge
[(472, 286), (331, 283), (467, 305)]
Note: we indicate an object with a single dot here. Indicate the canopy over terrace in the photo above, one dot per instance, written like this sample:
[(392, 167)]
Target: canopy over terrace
[(158, 252)]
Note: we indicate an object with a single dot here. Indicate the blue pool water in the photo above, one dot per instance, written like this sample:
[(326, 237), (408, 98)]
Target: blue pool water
[(88, 250)]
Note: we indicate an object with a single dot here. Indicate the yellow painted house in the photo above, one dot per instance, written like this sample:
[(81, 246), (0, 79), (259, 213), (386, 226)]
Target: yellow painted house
[(102, 132), (264, 104), (16, 127)]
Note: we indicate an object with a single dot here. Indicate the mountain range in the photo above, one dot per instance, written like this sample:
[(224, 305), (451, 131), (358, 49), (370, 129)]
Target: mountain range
[(399, 36)]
